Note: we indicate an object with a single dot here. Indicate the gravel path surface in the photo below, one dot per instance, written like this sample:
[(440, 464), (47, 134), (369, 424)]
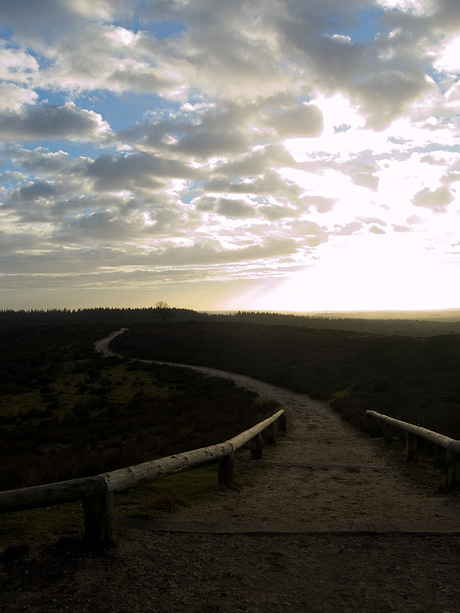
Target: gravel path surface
[(324, 475)]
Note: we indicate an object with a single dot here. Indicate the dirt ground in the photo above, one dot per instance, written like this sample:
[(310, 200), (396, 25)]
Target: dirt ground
[(195, 573), (328, 524)]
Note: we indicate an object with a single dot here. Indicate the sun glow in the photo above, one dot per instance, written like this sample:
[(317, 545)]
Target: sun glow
[(377, 273)]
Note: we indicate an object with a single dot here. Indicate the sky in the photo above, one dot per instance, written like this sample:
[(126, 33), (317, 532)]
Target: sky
[(230, 154)]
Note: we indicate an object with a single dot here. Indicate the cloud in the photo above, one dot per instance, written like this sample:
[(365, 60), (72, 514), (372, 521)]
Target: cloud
[(39, 161), (13, 97), (235, 209), (270, 183), (414, 219), (349, 228), (48, 121), (36, 190), (436, 199), (135, 171), (322, 204), (452, 177), (312, 233), (362, 174), (212, 253), (274, 211), (256, 161), (300, 121), (210, 132), (17, 66), (222, 138), (371, 220)]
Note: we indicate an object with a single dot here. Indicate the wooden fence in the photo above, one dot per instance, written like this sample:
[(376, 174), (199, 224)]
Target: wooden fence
[(452, 446), (96, 493)]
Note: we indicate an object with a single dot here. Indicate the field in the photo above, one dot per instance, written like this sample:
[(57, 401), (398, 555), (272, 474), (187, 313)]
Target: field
[(65, 412), (413, 379)]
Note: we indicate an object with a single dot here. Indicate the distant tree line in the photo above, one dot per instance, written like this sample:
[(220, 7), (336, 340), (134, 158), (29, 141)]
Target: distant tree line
[(400, 327), (10, 320)]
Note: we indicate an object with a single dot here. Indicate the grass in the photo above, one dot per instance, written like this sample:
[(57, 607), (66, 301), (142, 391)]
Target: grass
[(153, 500), (97, 416), (37, 525), (425, 473), (70, 388), (123, 414), (67, 413), (399, 376)]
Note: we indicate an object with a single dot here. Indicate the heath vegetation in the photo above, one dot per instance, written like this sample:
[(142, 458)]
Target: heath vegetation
[(411, 378), (65, 412)]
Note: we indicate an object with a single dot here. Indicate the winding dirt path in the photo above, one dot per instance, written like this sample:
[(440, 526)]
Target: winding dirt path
[(324, 476)]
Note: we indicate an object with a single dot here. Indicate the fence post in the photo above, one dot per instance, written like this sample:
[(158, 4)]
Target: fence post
[(256, 447), (411, 447), (226, 473), (269, 434), (452, 460), (98, 512), (282, 423)]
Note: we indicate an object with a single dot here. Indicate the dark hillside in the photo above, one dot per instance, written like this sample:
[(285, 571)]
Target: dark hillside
[(407, 378), (423, 326), (66, 412)]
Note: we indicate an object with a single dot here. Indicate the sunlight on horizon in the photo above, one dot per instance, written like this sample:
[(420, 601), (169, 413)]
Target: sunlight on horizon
[(380, 273)]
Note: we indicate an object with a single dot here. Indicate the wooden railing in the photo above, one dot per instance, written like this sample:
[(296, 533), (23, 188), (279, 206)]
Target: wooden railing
[(413, 432), (96, 493)]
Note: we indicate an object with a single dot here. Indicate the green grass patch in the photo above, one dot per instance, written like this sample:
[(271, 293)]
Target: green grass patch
[(158, 499), (425, 473), (116, 384), (42, 525)]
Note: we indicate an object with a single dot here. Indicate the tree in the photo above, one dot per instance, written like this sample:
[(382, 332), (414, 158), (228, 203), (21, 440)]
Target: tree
[(164, 310)]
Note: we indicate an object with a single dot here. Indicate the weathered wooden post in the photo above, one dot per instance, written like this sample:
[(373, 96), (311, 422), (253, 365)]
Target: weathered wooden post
[(452, 461), (256, 447), (269, 434), (282, 423), (411, 447), (226, 473), (98, 512)]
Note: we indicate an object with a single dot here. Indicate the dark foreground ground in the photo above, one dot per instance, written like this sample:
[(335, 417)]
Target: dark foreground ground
[(191, 573)]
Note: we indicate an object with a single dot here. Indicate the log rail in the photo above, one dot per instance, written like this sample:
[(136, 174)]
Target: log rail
[(96, 493), (413, 432)]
